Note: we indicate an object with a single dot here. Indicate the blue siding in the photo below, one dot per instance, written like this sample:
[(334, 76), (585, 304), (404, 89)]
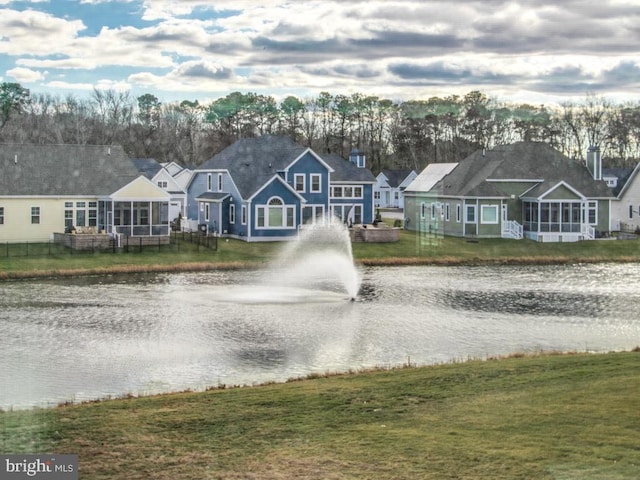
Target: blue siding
[(274, 189), (308, 165)]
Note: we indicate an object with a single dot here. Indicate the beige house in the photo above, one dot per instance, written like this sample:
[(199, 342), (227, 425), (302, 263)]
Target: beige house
[(47, 189)]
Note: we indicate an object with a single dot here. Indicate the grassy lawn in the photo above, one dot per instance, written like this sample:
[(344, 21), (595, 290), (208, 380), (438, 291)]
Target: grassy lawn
[(412, 248), (540, 417)]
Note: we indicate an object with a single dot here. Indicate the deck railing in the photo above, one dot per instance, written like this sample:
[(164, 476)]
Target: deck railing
[(512, 229)]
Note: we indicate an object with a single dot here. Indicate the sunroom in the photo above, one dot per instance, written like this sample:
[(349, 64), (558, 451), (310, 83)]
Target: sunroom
[(561, 214)]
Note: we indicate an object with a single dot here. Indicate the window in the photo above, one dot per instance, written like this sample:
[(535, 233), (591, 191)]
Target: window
[(275, 214), (232, 213), (447, 212), (206, 211), (470, 216), (162, 184), (243, 213), (348, 191), (376, 195), (433, 211), (458, 213), (423, 210), (489, 214), (209, 182), (219, 182), (35, 215), (312, 214), (316, 183), (592, 213), (1, 215), (298, 180)]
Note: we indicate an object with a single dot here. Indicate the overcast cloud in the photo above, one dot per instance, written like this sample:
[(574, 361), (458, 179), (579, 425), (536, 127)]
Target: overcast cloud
[(537, 51)]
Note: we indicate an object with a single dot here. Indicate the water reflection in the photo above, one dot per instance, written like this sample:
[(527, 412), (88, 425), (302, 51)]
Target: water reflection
[(85, 338)]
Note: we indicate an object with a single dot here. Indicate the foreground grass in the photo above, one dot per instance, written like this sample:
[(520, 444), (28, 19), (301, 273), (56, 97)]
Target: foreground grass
[(412, 248), (540, 417)]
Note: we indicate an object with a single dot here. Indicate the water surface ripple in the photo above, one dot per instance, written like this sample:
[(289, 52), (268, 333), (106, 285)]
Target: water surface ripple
[(95, 337)]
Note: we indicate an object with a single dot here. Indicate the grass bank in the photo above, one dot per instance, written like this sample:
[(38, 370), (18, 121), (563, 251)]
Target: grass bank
[(535, 417), (411, 249)]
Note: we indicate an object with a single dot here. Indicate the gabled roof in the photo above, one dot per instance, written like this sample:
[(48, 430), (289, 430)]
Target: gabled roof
[(89, 170), (430, 176), (481, 173), (149, 167), (624, 175), (396, 177), (347, 171), (252, 162)]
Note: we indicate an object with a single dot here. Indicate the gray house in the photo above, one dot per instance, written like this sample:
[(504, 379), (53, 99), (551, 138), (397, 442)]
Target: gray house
[(525, 189)]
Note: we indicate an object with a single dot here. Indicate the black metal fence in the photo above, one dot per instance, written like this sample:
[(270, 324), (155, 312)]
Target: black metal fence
[(177, 242)]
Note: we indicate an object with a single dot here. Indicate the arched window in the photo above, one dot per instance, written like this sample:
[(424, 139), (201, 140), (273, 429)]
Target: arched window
[(275, 214)]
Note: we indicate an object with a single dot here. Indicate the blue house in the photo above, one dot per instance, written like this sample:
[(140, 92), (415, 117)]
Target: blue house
[(267, 188)]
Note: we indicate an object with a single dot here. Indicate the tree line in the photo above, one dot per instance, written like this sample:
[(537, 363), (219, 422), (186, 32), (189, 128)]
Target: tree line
[(393, 134)]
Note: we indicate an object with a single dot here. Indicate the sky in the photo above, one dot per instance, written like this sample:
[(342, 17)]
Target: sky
[(536, 51)]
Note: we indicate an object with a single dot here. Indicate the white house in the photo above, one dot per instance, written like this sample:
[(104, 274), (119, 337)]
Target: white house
[(389, 187)]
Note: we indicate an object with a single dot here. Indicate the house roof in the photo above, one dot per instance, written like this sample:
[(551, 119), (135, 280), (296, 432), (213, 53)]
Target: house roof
[(252, 162), (430, 176), (347, 171), (149, 167), (92, 170), (622, 174), (481, 173), (396, 177)]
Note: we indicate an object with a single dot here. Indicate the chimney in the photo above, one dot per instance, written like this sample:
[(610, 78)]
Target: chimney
[(594, 162), (357, 158)]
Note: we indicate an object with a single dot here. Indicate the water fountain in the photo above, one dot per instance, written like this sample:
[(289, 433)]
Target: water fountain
[(320, 258), (315, 267)]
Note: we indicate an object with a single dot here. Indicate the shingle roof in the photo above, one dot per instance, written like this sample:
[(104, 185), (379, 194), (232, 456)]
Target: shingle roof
[(519, 161), (396, 177), (149, 167), (64, 169), (347, 171), (253, 161)]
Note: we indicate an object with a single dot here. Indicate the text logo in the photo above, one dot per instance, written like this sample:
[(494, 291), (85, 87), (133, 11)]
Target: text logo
[(39, 467)]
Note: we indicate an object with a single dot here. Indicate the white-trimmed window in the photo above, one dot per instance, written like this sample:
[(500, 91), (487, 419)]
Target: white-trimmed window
[(206, 211), (489, 214), (458, 213), (299, 182), (433, 211), (275, 214), (35, 215), (347, 191), (209, 182), (423, 210), (243, 213), (219, 182), (162, 184), (313, 214), (316, 183), (470, 215), (592, 213), (447, 211), (232, 213), (1, 215)]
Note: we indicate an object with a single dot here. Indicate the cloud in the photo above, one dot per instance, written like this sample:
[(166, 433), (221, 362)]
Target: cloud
[(25, 75), (395, 46)]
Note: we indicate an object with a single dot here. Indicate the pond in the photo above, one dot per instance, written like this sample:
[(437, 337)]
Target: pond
[(99, 337)]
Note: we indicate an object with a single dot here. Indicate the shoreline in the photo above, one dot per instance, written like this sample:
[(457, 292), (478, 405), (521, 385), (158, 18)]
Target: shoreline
[(365, 262)]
